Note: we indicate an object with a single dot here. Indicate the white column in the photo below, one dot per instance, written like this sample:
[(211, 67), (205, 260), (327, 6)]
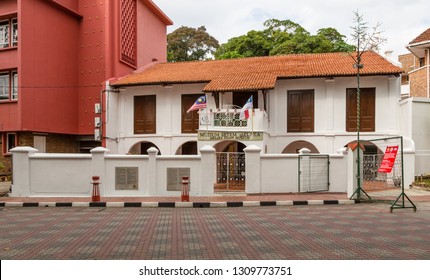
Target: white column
[(21, 171), (152, 171), (252, 169), (207, 170), (98, 166)]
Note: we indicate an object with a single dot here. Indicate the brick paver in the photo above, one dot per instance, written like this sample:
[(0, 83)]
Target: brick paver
[(358, 231)]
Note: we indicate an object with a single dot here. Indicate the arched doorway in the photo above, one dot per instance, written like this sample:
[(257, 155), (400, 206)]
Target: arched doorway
[(296, 146), (230, 147), (188, 148), (371, 159), (230, 164), (141, 148)]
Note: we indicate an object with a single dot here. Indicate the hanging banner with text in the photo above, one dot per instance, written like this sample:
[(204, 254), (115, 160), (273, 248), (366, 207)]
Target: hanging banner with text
[(389, 159)]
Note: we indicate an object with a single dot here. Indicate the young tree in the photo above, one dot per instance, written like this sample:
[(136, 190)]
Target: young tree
[(187, 43), (364, 41)]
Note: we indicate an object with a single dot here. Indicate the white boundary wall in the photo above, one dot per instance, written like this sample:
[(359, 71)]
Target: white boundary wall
[(64, 175)]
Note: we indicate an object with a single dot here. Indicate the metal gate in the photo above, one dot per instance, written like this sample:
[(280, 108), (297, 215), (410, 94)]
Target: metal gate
[(314, 173), (230, 172)]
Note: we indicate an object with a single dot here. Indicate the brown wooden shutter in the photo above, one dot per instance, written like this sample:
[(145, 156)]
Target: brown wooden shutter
[(367, 110), (145, 114), (190, 121), (300, 111)]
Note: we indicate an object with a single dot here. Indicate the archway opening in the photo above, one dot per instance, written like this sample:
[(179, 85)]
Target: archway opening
[(141, 148), (296, 146), (188, 148), (229, 147)]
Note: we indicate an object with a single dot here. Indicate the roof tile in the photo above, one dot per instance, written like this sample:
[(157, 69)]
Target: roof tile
[(258, 72), (425, 36)]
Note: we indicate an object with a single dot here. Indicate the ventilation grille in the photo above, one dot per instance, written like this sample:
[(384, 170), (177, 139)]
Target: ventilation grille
[(129, 32)]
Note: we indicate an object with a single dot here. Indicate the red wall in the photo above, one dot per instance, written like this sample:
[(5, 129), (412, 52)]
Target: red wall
[(48, 74), (152, 39), (66, 50)]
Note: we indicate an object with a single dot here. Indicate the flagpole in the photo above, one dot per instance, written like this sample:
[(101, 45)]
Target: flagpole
[(252, 123)]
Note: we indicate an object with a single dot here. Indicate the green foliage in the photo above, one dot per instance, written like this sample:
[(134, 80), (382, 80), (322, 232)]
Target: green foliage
[(186, 44), (283, 37)]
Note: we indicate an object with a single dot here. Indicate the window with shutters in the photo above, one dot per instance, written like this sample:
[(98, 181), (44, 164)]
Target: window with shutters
[(300, 114), (190, 121), (367, 109), (145, 114)]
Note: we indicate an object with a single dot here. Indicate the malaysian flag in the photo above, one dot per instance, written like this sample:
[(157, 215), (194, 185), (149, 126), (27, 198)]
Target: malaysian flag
[(199, 104)]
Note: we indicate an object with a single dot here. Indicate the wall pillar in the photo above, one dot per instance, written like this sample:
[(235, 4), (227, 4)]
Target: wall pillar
[(351, 184), (21, 171), (98, 166), (253, 169), (207, 170), (152, 171)]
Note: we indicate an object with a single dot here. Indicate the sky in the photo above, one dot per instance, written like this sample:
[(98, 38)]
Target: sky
[(401, 20)]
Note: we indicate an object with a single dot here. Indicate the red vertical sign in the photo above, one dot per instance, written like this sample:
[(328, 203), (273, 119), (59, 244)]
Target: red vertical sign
[(388, 160)]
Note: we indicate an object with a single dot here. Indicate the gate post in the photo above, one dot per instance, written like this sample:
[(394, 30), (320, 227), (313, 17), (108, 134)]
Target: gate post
[(252, 169), (208, 170)]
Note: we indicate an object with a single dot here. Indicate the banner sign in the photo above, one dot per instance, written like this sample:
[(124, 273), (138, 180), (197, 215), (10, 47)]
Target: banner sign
[(204, 135), (389, 159)]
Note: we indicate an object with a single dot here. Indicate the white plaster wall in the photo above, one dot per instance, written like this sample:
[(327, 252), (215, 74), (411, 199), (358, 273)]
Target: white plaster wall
[(330, 111), (192, 162), (63, 175), (168, 120), (113, 161), (279, 173), (415, 126)]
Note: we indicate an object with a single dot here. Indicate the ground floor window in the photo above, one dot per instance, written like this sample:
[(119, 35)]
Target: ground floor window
[(9, 141)]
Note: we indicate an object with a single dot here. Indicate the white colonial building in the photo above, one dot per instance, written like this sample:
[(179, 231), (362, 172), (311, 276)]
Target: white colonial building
[(300, 101)]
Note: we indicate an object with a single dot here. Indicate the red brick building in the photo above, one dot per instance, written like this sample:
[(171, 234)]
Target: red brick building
[(416, 65), (55, 56)]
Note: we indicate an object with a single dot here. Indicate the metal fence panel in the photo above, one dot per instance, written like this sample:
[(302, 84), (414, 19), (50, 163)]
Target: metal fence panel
[(314, 173)]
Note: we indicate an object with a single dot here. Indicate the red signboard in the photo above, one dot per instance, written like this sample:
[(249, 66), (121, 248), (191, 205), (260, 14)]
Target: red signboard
[(388, 160)]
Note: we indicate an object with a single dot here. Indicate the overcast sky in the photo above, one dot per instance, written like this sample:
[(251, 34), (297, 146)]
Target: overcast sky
[(402, 20)]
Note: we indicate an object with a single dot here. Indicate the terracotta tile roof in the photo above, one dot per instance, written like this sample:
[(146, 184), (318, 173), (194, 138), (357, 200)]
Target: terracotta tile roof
[(257, 72), (423, 37)]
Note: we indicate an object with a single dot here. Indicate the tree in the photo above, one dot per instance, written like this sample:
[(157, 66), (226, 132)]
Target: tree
[(283, 37), (365, 41), (187, 43)]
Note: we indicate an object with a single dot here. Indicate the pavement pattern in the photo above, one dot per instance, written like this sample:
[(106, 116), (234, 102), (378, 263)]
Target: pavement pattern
[(363, 231)]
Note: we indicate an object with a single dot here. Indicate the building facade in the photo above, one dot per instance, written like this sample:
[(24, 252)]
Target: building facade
[(300, 101), (55, 56)]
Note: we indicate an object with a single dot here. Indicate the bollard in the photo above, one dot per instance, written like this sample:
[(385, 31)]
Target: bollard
[(185, 195), (96, 191)]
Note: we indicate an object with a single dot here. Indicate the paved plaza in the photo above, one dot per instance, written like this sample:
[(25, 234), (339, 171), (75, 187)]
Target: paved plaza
[(300, 232)]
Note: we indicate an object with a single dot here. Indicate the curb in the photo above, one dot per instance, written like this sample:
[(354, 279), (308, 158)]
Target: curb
[(178, 204)]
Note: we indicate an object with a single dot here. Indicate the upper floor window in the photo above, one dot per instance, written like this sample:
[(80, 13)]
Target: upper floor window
[(300, 114), (9, 85), (8, 33), (367, 109), (145, 114)]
